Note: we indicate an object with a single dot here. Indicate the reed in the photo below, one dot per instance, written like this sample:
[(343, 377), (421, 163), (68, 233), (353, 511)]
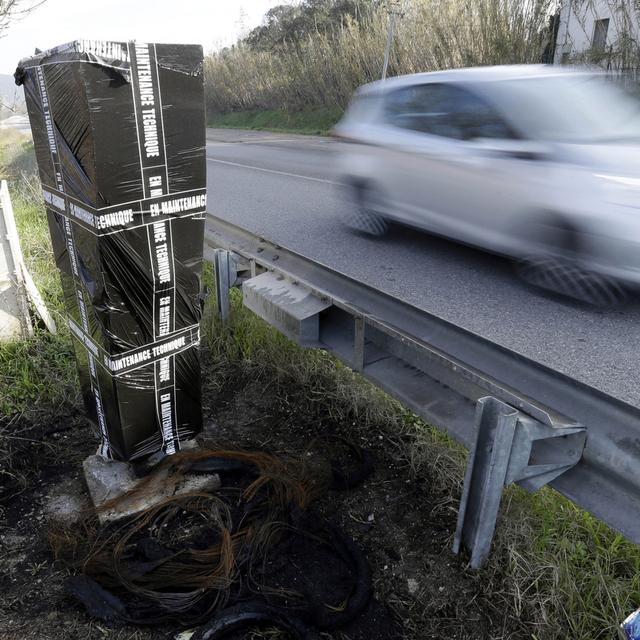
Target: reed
[(324, 69)]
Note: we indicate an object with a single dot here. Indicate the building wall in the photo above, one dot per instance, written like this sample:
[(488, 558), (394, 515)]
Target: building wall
[(577, 25)]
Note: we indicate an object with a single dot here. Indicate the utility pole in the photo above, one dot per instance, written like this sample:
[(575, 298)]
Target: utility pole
[(393, 7)]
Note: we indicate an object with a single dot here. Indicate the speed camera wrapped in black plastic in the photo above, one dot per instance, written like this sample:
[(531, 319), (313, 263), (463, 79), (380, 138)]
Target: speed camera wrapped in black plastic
[(119, 135)]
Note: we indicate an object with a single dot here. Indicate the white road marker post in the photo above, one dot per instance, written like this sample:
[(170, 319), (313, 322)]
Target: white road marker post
[(14, 309), (16, 285)]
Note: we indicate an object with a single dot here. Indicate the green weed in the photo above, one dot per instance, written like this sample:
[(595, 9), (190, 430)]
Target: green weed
[(37, 374), (311, 121)]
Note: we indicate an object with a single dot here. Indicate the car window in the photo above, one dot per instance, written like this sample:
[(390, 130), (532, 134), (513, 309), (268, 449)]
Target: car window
[(584, 109), (444, 110)]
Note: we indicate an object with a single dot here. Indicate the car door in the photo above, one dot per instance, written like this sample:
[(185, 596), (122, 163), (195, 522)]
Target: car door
[(439, 173)]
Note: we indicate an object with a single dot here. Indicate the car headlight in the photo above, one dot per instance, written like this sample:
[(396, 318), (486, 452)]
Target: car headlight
[(621, 190), (625, 181)]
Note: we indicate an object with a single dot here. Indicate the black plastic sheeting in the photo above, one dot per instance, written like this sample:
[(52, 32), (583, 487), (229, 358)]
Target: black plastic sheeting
[(250, 615), (119, 135)]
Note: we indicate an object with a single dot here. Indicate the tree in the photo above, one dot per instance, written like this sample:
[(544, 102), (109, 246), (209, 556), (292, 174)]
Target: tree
[(11, 10), (14, 10), (292, 23)]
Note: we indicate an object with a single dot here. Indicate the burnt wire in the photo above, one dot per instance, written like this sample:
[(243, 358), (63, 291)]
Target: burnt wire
[(193, 554)]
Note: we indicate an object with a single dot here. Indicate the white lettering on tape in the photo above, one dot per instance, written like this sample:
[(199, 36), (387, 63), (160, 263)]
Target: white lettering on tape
[(166, 417)]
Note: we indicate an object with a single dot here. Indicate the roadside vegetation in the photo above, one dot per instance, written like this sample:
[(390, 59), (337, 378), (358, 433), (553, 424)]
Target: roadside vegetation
[(560, 571), (312, 55), (311, 121), (37, 373), (38, 384)]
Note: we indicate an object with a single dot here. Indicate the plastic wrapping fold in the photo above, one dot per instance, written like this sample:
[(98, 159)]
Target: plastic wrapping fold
[(119, 136)]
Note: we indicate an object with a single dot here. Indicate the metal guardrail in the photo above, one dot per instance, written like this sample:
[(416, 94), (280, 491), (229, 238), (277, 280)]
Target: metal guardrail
[(533, 425)]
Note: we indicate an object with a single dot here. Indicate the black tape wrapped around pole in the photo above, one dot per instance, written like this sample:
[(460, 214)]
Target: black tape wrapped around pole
[(119, 136)]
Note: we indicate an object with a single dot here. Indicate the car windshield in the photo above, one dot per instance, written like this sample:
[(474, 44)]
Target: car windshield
[(575, 109)]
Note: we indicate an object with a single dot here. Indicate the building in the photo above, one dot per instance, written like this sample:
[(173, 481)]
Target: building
[(600, 32)]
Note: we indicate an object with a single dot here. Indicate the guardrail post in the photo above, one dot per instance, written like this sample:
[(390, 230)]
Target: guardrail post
[(225, 274), (358, 344), (485, 478), (510, 447)]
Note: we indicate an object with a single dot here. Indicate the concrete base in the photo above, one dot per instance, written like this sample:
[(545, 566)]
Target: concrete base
[(108, 480)]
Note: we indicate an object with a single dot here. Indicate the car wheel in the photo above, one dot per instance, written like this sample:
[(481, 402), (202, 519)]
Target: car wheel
[(557, 265), (568, 278), (363, 217)]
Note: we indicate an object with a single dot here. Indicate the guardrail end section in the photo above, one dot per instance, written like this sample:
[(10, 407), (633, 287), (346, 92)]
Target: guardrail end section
[(510, 447), (287, 305)]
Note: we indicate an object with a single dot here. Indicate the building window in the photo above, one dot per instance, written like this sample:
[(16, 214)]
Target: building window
[(600, 35)]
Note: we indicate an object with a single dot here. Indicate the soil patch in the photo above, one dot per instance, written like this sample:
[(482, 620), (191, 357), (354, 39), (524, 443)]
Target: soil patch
[(403, 525)]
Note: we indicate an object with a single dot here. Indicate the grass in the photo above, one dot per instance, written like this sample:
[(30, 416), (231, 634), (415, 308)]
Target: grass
[(565, 572), (37, 375), (559, 567), (38, 381), (581, 575), (310, 121)]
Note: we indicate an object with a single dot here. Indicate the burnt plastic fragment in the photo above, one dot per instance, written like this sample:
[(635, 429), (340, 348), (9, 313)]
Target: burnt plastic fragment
[(97, 601), (330, 618), (252, 614), (222, 466)]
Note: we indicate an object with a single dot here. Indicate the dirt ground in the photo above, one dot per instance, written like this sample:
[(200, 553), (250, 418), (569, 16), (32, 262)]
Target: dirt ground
[(404, 526)]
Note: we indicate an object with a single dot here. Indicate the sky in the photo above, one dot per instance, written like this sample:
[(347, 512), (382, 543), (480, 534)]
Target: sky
[(211, 23)]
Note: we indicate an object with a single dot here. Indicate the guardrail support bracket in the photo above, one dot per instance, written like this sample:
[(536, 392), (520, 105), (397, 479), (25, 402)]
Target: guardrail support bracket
[(510, 447)]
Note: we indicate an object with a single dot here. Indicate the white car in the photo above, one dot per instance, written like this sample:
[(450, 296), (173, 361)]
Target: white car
[(534, 162)]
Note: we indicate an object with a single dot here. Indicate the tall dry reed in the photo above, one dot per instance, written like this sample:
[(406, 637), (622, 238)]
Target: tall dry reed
[(324, 69)]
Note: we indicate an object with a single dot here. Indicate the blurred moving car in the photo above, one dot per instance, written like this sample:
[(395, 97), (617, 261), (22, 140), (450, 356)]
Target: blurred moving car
[(538, 163)]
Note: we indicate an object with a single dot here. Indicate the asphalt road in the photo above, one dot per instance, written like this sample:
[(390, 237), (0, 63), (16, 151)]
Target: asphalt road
[(283, 187)]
